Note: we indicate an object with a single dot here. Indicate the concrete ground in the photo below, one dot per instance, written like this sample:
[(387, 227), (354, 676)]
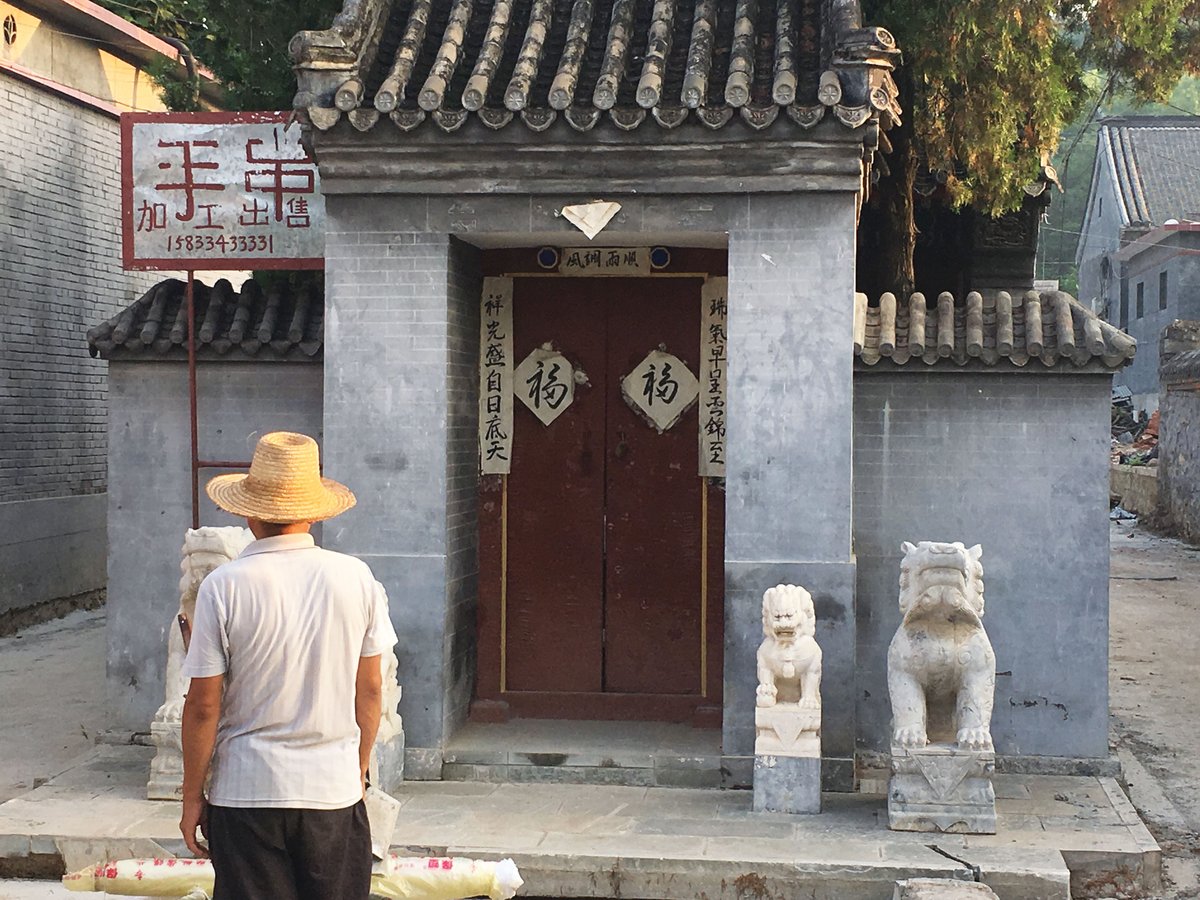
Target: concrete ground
[(1057, 836), (51, 679), (52, 685)]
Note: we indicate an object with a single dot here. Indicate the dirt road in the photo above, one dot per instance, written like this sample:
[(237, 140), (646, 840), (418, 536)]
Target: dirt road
[(1154, 679)]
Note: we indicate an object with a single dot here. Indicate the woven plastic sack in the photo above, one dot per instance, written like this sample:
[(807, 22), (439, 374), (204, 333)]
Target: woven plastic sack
[(445, 878)]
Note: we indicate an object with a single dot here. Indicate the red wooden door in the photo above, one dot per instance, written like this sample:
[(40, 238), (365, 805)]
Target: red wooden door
[(652, 577), (597, 549), (555, 579)]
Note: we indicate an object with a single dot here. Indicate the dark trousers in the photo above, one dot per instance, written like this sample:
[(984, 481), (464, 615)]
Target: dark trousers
[(290, 854)]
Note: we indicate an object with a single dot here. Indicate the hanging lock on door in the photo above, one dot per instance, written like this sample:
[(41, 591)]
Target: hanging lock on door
[(622, 448)]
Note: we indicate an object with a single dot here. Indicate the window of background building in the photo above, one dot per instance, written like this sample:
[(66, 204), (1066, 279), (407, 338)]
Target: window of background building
[(1141, 299), (1123, 321), (1162, 290)]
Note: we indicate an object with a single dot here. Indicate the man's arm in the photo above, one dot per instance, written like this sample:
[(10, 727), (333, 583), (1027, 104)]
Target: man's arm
[(368, 706), (201, 711)]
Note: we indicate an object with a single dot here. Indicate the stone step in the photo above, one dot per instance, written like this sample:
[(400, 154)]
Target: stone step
[(629, 769)]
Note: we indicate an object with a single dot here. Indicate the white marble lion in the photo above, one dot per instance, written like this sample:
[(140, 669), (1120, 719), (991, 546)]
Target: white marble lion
[(789, 660), (941, 667)]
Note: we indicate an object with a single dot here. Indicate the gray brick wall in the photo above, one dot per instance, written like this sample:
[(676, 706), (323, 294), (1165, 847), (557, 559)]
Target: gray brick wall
[(60, 273), (791, 302), (1019, 464), (150, 503), (400, 366), (462, 478)]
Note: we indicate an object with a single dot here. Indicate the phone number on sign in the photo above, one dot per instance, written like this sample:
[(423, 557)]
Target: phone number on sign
[(233, 243)]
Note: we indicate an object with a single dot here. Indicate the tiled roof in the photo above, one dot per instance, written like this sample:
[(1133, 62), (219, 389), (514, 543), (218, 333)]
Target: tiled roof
[(999, 331), (972, 333), (1155, 161), (275, 324), (615, 63)]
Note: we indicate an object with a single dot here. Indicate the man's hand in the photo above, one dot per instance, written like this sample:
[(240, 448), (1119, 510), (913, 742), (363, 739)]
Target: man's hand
[(195, 815)]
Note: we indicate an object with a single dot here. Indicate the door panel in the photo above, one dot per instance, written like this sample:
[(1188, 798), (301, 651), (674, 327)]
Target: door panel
[(604, 521), (652, 579), (556, 501)]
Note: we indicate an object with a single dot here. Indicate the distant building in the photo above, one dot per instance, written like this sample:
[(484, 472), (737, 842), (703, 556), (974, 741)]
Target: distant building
[(1137, 258), (68, 68)]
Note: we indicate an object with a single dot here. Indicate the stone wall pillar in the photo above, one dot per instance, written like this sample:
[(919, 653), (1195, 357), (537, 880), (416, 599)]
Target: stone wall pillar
[(788, 507), (401, 333)]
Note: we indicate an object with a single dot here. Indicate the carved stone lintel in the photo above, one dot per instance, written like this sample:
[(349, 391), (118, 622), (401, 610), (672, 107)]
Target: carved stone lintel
[(538, 119), (942, 788), (450, 120), (495, 119), (363, 119), (407, 119), (323, 118), (582, 118), (852, 116), (627, 119), (714, 117), (669, 117), (760, 117), (806, 116)]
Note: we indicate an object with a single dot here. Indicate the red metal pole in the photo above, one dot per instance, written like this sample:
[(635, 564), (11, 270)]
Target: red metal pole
[(191, 333)]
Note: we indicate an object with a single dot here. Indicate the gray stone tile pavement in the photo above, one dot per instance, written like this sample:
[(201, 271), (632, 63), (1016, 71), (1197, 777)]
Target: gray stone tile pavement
[(597, 841)]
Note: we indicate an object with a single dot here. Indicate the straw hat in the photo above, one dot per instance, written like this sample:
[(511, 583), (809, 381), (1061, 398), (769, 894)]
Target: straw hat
[(284, 484)]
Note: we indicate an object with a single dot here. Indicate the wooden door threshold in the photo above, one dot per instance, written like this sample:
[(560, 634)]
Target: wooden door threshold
[(699, 711)]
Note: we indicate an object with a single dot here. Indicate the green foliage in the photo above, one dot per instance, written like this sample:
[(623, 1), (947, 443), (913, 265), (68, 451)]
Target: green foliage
[(244, 43), (991, 85)]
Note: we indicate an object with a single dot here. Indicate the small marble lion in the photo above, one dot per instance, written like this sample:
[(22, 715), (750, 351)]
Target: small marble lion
[(789, 660), (941, 667)]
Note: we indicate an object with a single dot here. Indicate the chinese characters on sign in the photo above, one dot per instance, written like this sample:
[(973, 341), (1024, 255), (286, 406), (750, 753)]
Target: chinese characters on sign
[(714, 317), (545, 382), (604, 261), (661, 388), (218, 191), (495, 377)]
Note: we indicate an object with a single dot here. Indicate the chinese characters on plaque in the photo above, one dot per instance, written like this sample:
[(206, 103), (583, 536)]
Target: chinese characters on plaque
[(496, 377), (661, 388), (714, 316), (545, 382), (218, 190), (604, 261)]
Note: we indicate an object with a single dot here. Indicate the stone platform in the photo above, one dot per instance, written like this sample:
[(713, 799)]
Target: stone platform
[(1058, 837)]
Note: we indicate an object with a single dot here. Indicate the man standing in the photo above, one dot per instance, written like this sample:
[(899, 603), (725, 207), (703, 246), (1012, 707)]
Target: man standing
[(285, 694)]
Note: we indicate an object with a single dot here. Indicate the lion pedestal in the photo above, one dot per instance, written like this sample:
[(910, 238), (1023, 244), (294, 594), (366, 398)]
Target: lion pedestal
[(941, 678), (787, 717)]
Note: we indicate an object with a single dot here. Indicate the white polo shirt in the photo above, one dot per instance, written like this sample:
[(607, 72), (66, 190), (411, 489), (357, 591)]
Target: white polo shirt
[(286, 623)]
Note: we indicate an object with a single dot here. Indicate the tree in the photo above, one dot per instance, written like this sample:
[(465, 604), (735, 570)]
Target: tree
[(987, 88), (243, 42)]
